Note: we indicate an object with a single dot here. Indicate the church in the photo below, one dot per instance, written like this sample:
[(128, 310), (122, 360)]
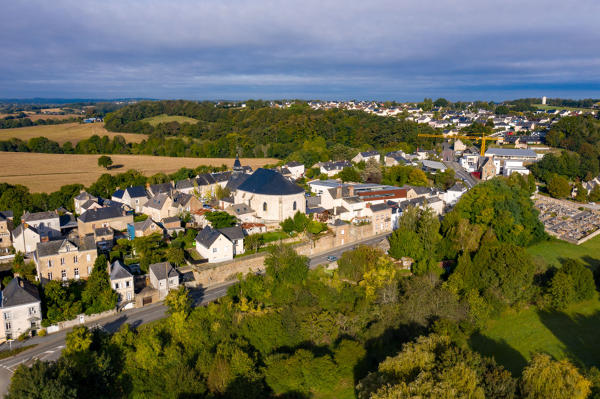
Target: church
[(272, 196)]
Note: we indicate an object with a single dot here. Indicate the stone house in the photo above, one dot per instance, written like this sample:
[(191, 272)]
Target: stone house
[(47, 224), (6, 218), (65, 259), (488, 169), (81, 199), (134, 197), (366, 156), (158, 207), (21, 309), (121, 280), (143, 229), (161, 188), (381, 218), (183, 203), (114, 217), (163, 278)]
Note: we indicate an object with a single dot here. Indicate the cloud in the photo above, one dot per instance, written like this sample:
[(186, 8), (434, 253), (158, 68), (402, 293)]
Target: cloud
[(328, 49)]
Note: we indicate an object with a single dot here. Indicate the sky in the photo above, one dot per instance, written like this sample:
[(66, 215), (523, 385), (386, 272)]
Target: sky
[(310, 49)]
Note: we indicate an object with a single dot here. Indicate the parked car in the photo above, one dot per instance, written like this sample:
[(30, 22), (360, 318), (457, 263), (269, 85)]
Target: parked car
[(332, 258)]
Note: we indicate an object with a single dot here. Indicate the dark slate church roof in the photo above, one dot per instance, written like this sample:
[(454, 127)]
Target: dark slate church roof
[(269, 182)]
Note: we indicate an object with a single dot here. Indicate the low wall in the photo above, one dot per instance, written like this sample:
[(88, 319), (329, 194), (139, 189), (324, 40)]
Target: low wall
[(80, 319)]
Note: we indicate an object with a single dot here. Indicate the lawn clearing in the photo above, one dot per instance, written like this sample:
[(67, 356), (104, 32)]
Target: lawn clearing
[(554, 250), (516, 336), (48, 172), (164, 118), (73, 132), (547, 107)]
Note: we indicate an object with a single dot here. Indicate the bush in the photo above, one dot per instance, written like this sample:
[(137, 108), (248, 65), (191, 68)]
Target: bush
[(42, 332), (23, 336)]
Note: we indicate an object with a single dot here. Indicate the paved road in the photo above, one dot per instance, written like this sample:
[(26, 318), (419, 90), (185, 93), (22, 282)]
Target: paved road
[(50, 347), (465, 176)]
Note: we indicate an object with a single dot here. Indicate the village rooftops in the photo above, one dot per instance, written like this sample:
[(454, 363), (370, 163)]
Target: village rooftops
[(157, 202), (32, 217), (53, 247), (269, 182), (93, 215), (19, 292)]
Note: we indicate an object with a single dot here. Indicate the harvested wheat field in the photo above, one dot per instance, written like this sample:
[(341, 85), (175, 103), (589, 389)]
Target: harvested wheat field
[(48, 172), (73, 132)]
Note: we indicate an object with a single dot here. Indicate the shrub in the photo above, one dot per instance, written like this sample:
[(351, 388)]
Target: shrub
[(42, 332)]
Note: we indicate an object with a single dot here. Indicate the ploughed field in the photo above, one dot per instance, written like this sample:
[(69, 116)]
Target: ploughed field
[(48, 172), (73, 132)]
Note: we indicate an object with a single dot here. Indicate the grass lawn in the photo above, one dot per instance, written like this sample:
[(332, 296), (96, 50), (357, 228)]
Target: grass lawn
[(164, 118), (274, 236), (554, 250), (546, 107), (516, 336)]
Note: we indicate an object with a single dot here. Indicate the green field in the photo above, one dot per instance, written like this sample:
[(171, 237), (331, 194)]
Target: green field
[(540, 106), (163, 118), (516, 336), (554, 250)]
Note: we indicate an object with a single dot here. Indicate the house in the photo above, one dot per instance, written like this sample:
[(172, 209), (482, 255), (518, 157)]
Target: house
[(459, 146), (143, 229), (296, 169), (488, 169), (234, 234), (396, 158), (134, 197), (511, 154), (272, 196), (172, 225), (21, 309), (366, 156), (452, 195), (6, 218), (253, 228), (121, 280), (158, 207), (333, 168), (381, 218), (66, 259), (25, 238), (47, 224), (203, 185), (161, 188), (163, 277), (82, 198), (114, 217), (183, 203), (86, 206), (243, 212), (212, 245)]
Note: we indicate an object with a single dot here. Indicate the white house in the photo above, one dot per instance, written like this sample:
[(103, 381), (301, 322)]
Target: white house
[(25, 238), (47, 224), (164, 278), (121, 281), (212, 245), (21, 309), (234, 234), (333, 168), (296, 169), (452, 195)]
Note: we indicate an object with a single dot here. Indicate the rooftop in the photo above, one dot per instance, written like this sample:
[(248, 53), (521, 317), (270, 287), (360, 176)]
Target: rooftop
[(269, 182), (19, 292)]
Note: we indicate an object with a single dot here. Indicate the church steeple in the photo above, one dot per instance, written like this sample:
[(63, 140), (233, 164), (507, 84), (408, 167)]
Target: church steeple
[(237, 165)]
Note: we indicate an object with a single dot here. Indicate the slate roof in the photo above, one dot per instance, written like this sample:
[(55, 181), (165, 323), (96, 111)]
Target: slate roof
[(14, 294), (339, 165), (379, 207), (241, 209), (269, 182), (205, 179), (158, 269), (67, 221), (369, 153), (433, 165), (87, 204), (51, 247), (184, 184), (207, 236), (103, 231), (235, 180), (161, 188), (93, 215), (118, 271), (293, 164), (136, 192), (84, 196), (180, 199), (17, 231), (31, 217), (6, 215), (457, 187), (232, 233), (221, 176), (118, 193), (157, 202), (171, 219), (143, 225)]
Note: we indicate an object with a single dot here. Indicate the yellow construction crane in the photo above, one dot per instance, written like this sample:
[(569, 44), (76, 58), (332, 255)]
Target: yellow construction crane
[(482, 138)]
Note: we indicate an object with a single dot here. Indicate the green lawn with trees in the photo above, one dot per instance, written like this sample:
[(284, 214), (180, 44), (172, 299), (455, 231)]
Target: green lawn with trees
[(553, 250)]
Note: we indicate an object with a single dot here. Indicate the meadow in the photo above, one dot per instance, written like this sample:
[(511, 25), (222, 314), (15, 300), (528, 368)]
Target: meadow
[(73, 132), (164, 118), (48, 172), (546, 107), (554, 250)]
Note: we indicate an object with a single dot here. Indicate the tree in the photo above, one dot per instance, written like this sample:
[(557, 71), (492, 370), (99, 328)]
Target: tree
[(105, 161), (349, 174), (352, 265), (176, 256), (43, 380), (594, 195), (441, 102), (546, 378), (559, 187), (288, 225), (253, 242), (220, 219), (98, 296), (372, 172), (417, 177)]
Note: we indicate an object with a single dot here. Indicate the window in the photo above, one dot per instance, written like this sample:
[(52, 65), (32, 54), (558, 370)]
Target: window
[(214, 250), (63, 274), (129, 296), (32, 310), (294, 205), (49, 275), (62, 261), (76, 272), (88, 257), (127, 284), (264, 206), (89, 269), (8, 326), (116, 286), (49, 263), (7, 316), (75, 260)]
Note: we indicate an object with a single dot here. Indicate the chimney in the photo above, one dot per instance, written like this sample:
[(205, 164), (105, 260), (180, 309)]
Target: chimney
[(338, 191), (350, 191)]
